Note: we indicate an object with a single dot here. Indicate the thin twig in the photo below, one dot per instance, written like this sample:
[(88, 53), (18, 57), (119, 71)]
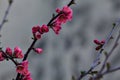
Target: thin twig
[(104, 45), (99, 74), (96, 61), (86, 73), (111, 70), (108, 55), (104, 73), (9, 57), (6, 14), (115, 25)]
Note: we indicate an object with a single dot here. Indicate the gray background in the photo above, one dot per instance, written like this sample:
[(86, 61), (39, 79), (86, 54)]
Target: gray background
[(69, 52)]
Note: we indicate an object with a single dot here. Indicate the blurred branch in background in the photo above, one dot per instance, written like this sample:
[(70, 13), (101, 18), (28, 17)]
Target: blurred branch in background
[(4, 20), (105, 65)]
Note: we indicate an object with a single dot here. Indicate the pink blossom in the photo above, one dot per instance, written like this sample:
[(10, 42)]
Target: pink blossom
[(17, 50), (56, 27), (40, 31), (18, 53), (67, 11), (25, 63), (22, 68), (37, 35), (97, 42), (38, 50), (44, 28), (102, 42), (66, 14), (58, 10), (26, 72), (35, 29), (1, 56), (98, 47), (62, 18), (9, 51), (27, 78)]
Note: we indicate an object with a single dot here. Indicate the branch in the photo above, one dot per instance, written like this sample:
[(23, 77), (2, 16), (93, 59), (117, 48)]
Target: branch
[(4, 20), (100, 74), (113, 48), (111, 70), (19, 76), (96, 62), (115, 25), (86, 73), (52, 19), (104, 73), (9, 57)]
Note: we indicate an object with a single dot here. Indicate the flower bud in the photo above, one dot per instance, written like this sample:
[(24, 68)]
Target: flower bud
[(9, 51), (18, 53), (38, 50)]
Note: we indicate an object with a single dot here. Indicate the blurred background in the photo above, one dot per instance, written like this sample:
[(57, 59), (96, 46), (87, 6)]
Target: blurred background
[(65, 54)]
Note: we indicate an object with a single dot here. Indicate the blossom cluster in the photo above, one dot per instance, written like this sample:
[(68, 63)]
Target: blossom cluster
[(22, 68), (38, 31), (17, 53), (99, 44), (63, 15)]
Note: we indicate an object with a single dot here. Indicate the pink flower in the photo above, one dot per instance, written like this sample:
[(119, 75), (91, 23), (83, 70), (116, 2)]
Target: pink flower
[(38, 50), (9, 51), (56, 27), (1, 56), (67, 11), (62, 18), (35, 29), (17, 50), (25, 63), (18, 53), (37, 35), (58, 10), (44, 28), (26, 72), (22, 68), (66, 15), (102, 42), (97, 42), (98, 47), (27, 78)]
